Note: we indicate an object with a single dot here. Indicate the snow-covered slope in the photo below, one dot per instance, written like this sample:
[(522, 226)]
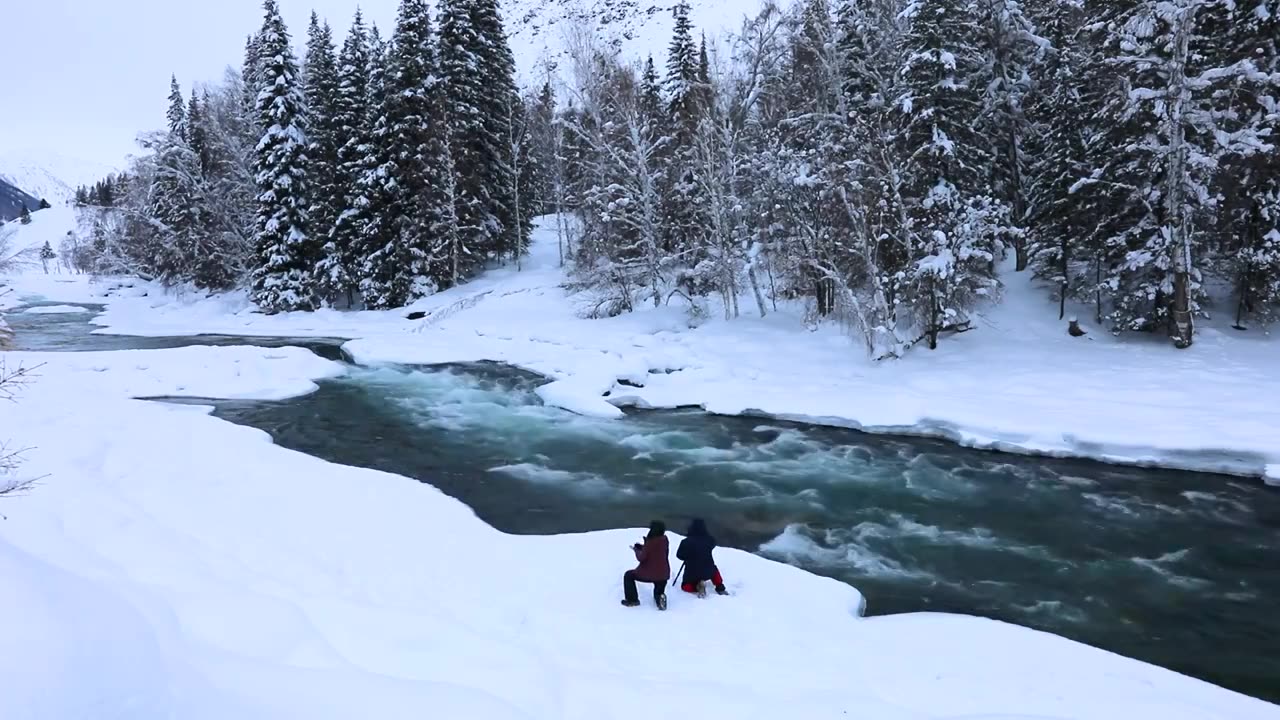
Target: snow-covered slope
[(25, 241), (13, 199), (51, 176)]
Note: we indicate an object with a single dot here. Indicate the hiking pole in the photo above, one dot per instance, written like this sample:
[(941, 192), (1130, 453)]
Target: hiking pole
[(676, 577)]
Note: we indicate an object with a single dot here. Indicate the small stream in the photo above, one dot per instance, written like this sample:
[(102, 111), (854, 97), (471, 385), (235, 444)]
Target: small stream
[(1176, 568)]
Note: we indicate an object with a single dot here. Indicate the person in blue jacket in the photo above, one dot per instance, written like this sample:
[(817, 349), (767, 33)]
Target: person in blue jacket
[(699, 566)]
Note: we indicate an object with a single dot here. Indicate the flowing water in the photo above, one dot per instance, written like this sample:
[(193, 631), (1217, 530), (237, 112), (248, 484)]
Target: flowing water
[(1179, 569)]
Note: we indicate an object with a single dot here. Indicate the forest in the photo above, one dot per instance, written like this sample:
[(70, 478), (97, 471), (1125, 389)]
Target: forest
[(879, 161)]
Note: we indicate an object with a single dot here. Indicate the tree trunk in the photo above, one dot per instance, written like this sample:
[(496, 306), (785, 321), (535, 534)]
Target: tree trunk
[(1179, 236), (755, 288)]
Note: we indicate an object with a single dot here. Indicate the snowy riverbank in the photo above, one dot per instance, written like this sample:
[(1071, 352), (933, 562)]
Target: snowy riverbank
[(174, 565), (1017, 382)]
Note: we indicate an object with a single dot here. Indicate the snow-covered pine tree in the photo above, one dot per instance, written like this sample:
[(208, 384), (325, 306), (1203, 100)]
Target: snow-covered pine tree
[(477, 69), (250, 73), (403, 192), (323, 127), (653, 108), (498, 69), (1164, 144), (229, 188), (470, 146), (174, 206), (542, 131), (807, 166), (337, 271), (177, 113), (285, 251), (954, 223), (1011, 47), (1243, 42), (47, 254), (1066, 249), (683, 209), (197, 132)]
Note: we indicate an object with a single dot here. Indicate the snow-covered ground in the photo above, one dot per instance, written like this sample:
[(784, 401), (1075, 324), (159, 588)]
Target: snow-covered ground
[(1018, 382), (174, 565)]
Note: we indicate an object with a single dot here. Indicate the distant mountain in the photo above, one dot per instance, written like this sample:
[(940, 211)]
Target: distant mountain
[(12, 199), (50, 176)]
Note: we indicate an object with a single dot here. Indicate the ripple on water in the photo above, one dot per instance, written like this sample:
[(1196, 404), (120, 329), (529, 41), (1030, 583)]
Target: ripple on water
[(833, 552), (579, 483)]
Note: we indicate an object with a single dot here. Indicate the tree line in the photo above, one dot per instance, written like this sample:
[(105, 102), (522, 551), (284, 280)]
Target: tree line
[(881, 157), (876, 159), (384, 171)]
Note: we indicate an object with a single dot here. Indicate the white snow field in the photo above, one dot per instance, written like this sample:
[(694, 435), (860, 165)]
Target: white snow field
[(1018, 382), (172, 565)]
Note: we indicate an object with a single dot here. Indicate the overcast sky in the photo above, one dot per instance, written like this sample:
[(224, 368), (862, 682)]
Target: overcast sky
[(83, 77)]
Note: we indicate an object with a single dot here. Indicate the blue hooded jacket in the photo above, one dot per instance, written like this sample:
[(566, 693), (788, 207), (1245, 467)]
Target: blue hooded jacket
[(695, 551)]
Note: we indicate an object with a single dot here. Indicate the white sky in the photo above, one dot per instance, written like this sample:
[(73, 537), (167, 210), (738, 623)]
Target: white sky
[(84, 77)]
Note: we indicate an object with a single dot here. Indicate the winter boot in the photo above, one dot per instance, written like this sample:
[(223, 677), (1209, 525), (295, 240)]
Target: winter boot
[(722, 590), (630, 603), (662, 601), (702, 589)]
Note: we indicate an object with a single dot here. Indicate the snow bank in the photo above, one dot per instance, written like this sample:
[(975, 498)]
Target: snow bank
[(72, 649), (56, 310), (175, 565)]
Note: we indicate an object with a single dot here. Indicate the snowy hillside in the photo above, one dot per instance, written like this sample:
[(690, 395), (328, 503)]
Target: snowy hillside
[(13, 199), (47, 226), (540, 31), (51, 176)]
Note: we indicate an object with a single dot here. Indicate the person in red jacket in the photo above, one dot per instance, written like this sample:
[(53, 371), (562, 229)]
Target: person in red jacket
[(654, 567)]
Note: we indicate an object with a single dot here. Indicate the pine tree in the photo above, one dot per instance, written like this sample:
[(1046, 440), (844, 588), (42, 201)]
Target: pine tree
[(24, 215), (460, 61), (339, 264), (177, 114), (1161, 139), (197, 133), (1012, 46), (1064, 248), (478, 70), (321, 90), (1244, 41), (282, 278), (682, 218), (402, 195), (251, 72), (652, 107), (954, 226), (543, 133), (498, 68)]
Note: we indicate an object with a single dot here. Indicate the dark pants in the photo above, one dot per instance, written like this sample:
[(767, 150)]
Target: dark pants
[(629, 592)]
